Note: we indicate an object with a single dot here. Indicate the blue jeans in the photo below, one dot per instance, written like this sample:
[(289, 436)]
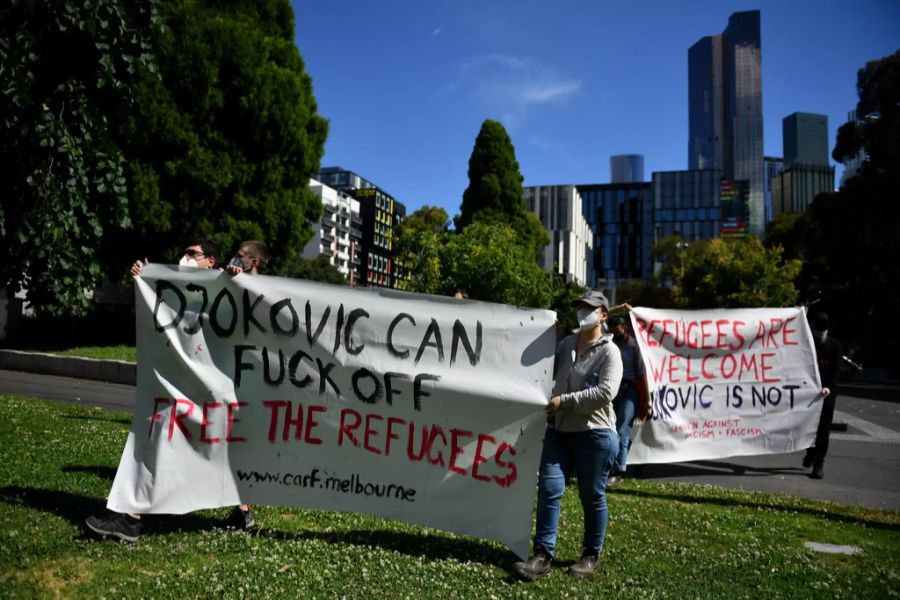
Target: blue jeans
[(590, 455), (625, 406)]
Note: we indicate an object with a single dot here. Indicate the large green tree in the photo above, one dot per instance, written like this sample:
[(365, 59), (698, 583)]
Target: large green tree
[(733, 273), (847, 240), (495, 193), (67, 71), (224, 142), (417, 248), (489, 262), (126, 129)]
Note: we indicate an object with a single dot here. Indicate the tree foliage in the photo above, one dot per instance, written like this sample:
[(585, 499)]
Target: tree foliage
[(67, 71), (487, 261), (733, 273), (847, 240), (316, 269), (495, 193), (417, 246), (225, 141), (121, 137)]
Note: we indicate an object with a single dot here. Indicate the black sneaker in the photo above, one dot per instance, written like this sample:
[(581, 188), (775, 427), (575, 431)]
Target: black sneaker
[(123, 527), (535, 567), (586, 566), (818, 471), (807, 460), (242, 519)]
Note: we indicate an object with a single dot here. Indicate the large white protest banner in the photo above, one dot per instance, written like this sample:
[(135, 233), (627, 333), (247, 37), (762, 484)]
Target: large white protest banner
[(266, 390), (726, 382)]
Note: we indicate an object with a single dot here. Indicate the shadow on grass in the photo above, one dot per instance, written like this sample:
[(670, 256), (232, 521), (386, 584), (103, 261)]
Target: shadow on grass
[(711, 468), (729, 502), (75, 508), (100, 471), (410, 544), (119, 421)]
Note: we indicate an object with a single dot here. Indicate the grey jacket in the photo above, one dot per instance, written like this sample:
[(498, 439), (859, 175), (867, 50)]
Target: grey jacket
[(586, 385)]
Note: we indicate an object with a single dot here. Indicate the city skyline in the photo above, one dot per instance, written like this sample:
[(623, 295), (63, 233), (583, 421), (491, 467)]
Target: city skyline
[(406, 86)]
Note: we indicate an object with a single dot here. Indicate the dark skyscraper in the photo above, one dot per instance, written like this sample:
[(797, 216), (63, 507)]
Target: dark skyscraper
[(725, 111), (626, 168)]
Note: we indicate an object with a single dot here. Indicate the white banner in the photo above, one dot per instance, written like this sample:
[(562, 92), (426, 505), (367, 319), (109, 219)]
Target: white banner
[(732, 382), (264, 390)]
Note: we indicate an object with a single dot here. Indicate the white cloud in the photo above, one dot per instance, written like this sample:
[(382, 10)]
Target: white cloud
[(435, 32), (514, 85)]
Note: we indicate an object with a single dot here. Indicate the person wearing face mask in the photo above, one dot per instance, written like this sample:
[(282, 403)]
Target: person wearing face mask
[(828, 356), (199, 252), (250, 258), (580, 438), (632, 391)]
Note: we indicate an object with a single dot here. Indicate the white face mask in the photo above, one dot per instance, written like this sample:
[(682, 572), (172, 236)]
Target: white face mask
[(187, 261), (587, 318)]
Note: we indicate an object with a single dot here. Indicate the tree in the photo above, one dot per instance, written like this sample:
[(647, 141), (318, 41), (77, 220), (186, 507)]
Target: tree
[(417, 248), (432, 219), (225, 141), (316, 269), (495, 193), (67, 69), (878, 130), (733, 273), (564, 293), (121, 137), (846, 240), (489, 263)]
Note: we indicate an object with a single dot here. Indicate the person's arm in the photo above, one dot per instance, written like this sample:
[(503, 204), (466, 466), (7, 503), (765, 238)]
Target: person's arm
[(137, 266), (603, 390), (624, 307)]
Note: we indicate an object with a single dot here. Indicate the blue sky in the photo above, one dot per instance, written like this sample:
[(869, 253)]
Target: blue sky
[(406, 84)]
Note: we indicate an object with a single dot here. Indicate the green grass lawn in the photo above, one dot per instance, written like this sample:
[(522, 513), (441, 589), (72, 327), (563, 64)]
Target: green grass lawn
[(128, 353), (664, 541)]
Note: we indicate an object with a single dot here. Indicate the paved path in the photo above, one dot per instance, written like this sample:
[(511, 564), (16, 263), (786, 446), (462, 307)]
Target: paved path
[(863, 464)]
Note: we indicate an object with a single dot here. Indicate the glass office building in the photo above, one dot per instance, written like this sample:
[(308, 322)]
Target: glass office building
[(620, 219), (626, 168), (725, 109), (688, 204)]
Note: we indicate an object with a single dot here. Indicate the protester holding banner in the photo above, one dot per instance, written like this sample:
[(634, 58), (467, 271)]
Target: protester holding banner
[(199, 252), (250, 258), (632, 393), (828, 356), (580, 437)]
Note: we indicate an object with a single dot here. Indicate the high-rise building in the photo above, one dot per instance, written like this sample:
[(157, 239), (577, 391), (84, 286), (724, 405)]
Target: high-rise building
[(725, 111), (774, 168), (694, 205), (626, 168), (807, 172), (559, 208), (805, 139), (379, 214), (620, 219), (338, 233)]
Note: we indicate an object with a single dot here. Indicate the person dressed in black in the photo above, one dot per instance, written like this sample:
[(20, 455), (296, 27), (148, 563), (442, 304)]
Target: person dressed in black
[(828, 356)]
